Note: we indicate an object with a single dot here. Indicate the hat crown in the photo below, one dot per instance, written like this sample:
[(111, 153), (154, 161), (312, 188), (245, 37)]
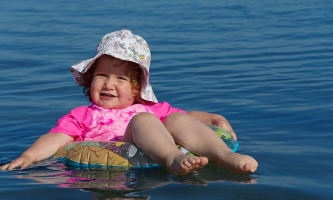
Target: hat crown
[(127, 46)]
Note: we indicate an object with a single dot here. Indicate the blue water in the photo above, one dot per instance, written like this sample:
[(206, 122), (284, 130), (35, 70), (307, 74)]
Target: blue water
[(264, 65)]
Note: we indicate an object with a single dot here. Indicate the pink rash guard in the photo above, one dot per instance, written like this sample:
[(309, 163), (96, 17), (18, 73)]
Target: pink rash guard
[(95, 123)]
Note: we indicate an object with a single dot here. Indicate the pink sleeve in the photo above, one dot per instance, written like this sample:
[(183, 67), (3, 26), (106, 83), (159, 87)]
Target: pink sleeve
[(164, 109), (75, 123)]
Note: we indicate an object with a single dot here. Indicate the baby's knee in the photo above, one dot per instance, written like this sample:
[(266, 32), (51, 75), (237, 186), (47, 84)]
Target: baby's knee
[(176, 118), (142, 117)]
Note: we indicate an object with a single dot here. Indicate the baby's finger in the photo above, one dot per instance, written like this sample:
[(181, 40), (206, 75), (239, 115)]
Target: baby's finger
[(14, 165), (25, 165), (4, 167), (234, 135), (227, 127), (11, 166), (223, 122)]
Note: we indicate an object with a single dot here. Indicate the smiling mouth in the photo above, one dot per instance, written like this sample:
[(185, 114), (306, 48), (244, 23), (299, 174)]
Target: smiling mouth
[(107, 95)]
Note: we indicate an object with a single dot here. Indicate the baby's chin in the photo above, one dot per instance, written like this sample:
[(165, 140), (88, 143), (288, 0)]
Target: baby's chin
[(111, 106)]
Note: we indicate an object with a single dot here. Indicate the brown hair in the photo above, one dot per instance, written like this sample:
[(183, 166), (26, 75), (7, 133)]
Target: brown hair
[(134, 72)]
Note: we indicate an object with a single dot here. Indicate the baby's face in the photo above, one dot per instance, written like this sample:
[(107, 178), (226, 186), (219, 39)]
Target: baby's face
[(110, 86)]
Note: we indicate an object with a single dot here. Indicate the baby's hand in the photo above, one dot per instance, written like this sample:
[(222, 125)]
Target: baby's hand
[(222, 122), (22, 161)]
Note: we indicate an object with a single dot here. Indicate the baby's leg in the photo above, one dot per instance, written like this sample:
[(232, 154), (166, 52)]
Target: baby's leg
[(203, 141), (148, 133)]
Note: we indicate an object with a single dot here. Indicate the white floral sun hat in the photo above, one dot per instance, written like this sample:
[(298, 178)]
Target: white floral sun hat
[(123, 45)]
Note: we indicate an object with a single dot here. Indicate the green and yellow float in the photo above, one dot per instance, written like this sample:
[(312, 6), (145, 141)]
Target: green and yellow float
[(90, 154)]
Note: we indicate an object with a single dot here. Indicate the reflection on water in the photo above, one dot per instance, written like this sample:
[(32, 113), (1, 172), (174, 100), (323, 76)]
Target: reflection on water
[(122, 183)]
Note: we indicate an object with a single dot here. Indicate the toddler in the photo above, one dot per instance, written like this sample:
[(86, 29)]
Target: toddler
[(124, 108)]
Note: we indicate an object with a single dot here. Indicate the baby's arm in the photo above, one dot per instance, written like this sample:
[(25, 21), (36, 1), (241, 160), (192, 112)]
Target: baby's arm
[(43, 148), (214, 119)]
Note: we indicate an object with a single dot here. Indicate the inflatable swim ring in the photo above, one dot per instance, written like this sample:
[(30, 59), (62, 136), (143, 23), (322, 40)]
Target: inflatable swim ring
[(90, 154)]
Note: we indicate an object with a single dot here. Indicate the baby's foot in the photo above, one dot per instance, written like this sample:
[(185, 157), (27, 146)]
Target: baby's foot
[(238, 163), (183, 164)]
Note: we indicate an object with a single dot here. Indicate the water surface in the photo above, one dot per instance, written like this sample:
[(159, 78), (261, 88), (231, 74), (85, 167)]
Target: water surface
[(266, 66)]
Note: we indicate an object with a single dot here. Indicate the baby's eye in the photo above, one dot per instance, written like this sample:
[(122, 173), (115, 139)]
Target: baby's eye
[(123, 78), (104, 75)]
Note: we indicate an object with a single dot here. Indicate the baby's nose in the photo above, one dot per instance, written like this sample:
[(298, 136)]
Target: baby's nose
[(109, 83)]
